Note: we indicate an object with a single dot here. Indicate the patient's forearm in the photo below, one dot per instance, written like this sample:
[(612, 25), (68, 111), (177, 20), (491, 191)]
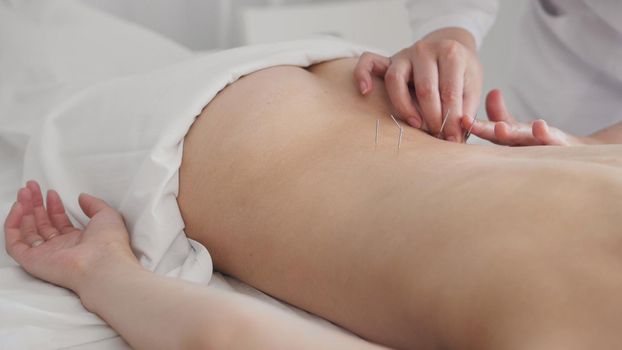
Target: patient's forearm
[(156, 312), (611, 135)]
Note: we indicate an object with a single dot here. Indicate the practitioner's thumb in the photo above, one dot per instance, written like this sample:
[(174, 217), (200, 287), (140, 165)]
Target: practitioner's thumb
[(91, 205), (496, 108)]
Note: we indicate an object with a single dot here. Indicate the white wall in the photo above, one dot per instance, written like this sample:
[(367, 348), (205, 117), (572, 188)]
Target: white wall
[(498, 51), (213, 24), (198, 24), (193, 23), (357, 21)]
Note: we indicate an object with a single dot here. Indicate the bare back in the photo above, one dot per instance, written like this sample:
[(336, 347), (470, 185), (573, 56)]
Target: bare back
[(282, 181)]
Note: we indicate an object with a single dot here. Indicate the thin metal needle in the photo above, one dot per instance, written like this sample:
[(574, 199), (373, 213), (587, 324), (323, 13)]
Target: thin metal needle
[(468, 134), (399, 140), (443, 125), (376, 139), (395, 121)]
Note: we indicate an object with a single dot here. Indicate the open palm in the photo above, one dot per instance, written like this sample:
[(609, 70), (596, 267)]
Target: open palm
[(45, 243)]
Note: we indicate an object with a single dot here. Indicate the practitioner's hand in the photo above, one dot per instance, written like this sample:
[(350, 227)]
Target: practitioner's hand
[(447, 76), (49, 247), (503, 129)]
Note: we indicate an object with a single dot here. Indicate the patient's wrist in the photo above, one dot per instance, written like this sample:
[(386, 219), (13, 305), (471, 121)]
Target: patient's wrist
[(111, 272)]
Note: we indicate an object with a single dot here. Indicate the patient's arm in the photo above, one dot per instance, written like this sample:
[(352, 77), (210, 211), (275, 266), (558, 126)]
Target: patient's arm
[(155, 312), (149, 311)]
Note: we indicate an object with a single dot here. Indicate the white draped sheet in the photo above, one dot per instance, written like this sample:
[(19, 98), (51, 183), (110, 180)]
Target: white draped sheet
[(89, 103)]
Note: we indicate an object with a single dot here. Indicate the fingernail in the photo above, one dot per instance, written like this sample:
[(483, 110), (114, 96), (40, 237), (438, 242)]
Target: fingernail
[(414, 122), (36, 243), (363, 86), (451, 139)]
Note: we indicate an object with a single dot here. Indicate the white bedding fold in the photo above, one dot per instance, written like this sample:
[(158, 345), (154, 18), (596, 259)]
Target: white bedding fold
[(116, 133)]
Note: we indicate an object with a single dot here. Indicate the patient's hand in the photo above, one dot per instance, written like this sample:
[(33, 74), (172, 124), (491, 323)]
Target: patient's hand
[(49, 247), (503, 129)]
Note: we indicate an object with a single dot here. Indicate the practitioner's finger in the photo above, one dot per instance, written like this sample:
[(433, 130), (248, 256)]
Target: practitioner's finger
[(56, 210), (396, 81), (482, 128), (472, 95), (14, 245), (546, 136), (425, 77), (517, 134), (496, 108), (42, 220), (28, 226), (452, 68), (369, 65)]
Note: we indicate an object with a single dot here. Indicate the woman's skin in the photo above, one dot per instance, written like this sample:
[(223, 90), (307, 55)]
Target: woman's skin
[(503, 129), (434, 245), (148, 310), (446, 74)]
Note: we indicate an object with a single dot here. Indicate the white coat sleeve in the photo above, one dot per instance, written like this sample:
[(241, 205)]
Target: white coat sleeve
[(476, 16)]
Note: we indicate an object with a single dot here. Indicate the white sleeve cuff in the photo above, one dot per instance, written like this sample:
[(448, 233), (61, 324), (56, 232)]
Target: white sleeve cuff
[(423, 28)]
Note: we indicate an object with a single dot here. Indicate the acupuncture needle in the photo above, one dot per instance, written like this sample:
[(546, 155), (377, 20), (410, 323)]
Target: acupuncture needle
[(376, 139), (468, 134), (443, 125), (399, 140)]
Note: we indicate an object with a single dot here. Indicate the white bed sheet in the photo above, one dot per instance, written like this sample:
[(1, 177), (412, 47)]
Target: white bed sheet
[(58, 58)]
